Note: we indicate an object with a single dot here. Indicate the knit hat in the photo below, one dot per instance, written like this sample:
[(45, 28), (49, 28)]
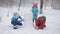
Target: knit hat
[(35, 4), (15, 14)]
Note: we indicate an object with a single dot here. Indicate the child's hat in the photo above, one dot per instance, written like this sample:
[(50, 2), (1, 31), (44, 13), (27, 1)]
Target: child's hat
[(15, 14), (35, 4)]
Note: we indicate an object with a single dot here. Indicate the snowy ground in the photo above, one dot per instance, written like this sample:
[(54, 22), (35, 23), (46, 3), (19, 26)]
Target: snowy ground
[(52, 23)]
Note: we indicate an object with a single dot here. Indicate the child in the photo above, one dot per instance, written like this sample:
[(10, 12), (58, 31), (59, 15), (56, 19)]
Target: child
[(16, 20), (35, 11), (40, 22)]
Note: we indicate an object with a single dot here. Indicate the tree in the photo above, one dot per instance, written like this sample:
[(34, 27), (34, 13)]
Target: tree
[(41, 6), (19, 5)]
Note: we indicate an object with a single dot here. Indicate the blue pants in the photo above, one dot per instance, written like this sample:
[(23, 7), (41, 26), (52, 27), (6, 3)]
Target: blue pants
[(14, 23)]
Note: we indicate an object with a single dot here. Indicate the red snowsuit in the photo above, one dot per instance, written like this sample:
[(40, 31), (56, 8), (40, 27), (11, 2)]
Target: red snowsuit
[(41, 24)]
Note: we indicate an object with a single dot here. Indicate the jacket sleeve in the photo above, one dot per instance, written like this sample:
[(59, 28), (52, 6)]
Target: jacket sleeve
[(32, 9), (20, 19), (37, 21)]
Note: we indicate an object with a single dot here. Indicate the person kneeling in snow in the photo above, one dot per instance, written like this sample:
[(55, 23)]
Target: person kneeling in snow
[(16, 20), (41, 22)]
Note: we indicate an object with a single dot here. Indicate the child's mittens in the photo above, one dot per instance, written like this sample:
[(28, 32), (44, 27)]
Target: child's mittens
[(22, 18), (19, 20), (37, 28)]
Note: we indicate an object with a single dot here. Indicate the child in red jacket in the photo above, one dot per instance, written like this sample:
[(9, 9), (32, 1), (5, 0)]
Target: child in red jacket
[(40, 22)]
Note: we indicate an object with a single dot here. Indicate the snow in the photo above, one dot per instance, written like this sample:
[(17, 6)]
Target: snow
[(52, 22)]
